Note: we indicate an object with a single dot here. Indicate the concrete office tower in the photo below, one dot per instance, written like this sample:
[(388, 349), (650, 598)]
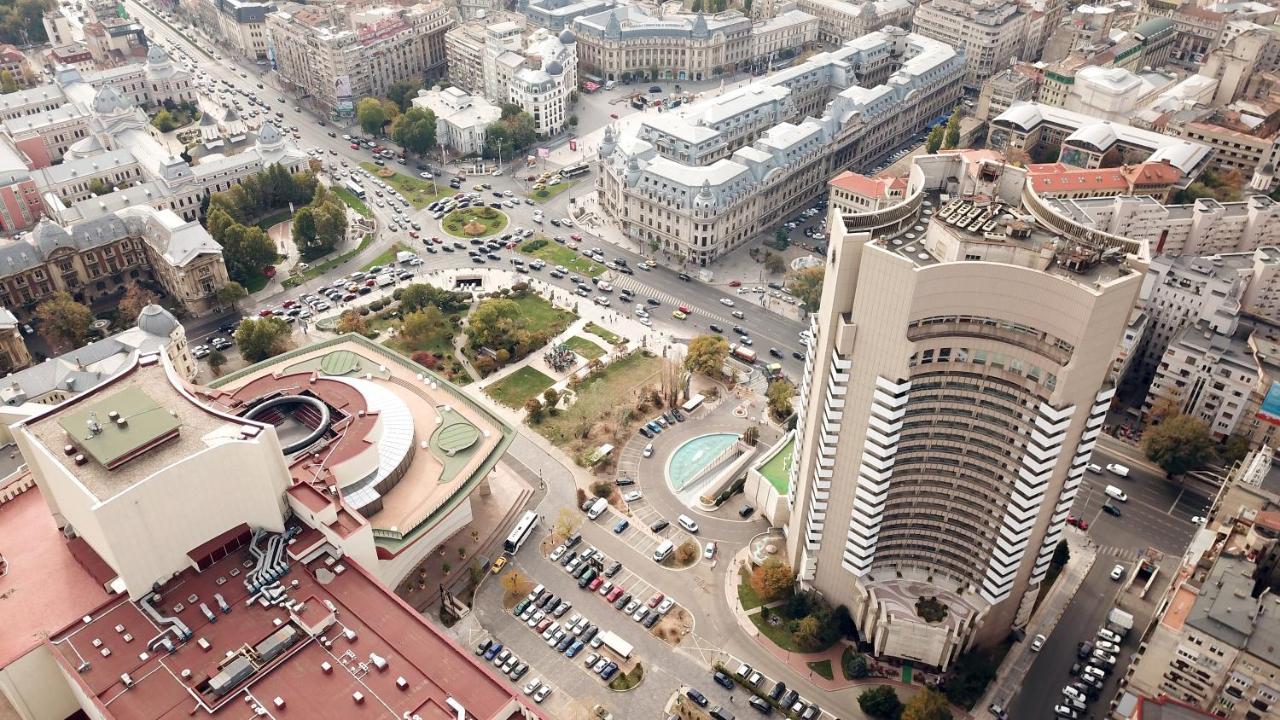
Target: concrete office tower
[(952, 395)]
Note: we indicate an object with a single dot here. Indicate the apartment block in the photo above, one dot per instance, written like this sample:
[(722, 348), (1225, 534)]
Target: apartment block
[(339, 57), (990, 33), (902, 493), (702, 179)]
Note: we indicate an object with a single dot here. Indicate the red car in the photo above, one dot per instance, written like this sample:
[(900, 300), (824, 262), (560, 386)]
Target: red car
[(614, 594), (267, 312), (413, 234), (370, 282), (613, 115), (735, 283), (436, 240), (576, 238), (288, 304), (657, 598), (596, 582), (355, 146)]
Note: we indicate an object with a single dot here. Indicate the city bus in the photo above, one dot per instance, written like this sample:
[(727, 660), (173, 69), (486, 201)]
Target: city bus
[(574, 170), (354, 188), (521, 532)]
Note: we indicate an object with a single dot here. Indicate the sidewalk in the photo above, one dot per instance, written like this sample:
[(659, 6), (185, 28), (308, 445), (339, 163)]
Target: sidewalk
[(1018, 661)]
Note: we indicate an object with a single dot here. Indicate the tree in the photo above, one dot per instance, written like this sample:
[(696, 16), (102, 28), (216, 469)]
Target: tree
[(1235, 450), (533, 408), (573, 121), (419, 327), (706, 355), (493, 322), (261, 338), (774, 263), (304, 233), (64, 320), (773, 580), (927, 705), (330, 216), (856, 667), (371, 115), (550, 399), (686, 552), (781, 239), (567, 522), (402, 93), (779, 394), (231, 294), (351, 321), (98, 186), (216, 360), (7, 83), (972, 672), (415, 130), (880, 702), (933, 142), (751, 436), (807, 633), (844, 624), (951, 137), (134, 299), (806, 284), (514, 583), (697, 6), (1180, 444)]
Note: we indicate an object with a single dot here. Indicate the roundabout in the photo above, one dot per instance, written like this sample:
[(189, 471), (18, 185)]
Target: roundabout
[(474, 222)]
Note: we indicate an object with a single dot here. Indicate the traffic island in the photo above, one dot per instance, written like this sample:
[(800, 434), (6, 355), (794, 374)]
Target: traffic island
[(475, 222), (630, 680)]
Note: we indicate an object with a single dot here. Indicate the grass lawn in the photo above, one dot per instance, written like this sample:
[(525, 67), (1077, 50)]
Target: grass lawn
[(545, 248), (550, 191), (419, 193), (747, 594), (255, 282), (352, 201), (519, 386), (609, 337), (584, 347), (456, 222), (626, 681), (386, 257), (822, 667), (324, 267), (779, 634), (599, 396), (776, 470), (536, 314), (274, 218)]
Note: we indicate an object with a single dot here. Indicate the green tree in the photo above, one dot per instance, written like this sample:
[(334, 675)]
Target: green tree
[(773, 580), (933, 143), (551, 398), (231, 294), (64, 320), (779, 394), (1235, 450), (498, 141), (7, 83), (806, 285), (419, 327), (216, 360), (927, 705), (781, 239), (164, 121), (697, 6), (304, 233), (706, 355), (951, 137), (573, 121), (371, 115), (403, 92), (261, 338), (774, 263), (880, 702), (972, 672), (807, 633), (1180, 444), (20, 22), (493, 323), (415, 130), (856, 666), (331, 224), (533, 408), (98, 186)]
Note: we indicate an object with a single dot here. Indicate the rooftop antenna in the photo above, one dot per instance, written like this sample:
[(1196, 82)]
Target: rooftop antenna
[(94, 426)]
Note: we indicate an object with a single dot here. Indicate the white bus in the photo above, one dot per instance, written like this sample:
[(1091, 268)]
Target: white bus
[(354, 188), (693, 403), (575, 170), (521, 532)]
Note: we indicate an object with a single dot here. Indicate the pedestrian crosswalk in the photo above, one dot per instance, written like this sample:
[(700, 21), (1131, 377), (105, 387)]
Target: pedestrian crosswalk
[(669, 302), (1120, 553)]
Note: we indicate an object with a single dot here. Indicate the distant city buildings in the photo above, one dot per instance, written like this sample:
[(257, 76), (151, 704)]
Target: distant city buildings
[(626, 43), (989, 33), (840, 21), (241, 24), (904, 498), (557, 15), (338, 55), (700, 180)]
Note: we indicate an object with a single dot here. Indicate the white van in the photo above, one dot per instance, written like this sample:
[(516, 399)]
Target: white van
[(610, 84), (687, 523), (1117, 493), (663, 551), (596, 508)]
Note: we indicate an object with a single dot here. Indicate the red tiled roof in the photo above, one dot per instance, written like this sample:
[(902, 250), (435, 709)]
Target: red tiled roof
[(873, 187), (45, 587), (1057, 177), (1268, 519)]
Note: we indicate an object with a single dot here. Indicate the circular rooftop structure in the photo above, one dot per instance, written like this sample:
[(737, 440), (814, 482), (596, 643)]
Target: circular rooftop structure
[(289, 416), (457, 437)]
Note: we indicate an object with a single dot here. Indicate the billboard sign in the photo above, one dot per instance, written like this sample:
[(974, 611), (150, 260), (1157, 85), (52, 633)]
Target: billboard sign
[(346, 103), (1270, 410)]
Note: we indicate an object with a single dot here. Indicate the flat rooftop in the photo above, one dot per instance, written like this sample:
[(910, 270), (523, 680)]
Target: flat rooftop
[(168, 427), (45, 587), (418, 670)]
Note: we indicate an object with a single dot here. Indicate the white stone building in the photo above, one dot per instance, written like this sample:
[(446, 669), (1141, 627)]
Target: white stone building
[(461, 118), (990, 33)]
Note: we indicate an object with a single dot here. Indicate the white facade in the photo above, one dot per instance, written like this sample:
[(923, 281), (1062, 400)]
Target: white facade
[(990, 33), (538, 72), (461, 118), (840, 21)]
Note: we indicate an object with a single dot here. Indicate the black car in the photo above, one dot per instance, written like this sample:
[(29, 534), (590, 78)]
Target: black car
[(568, 558), (797, 355), (761, 705), (739, 329), (778, 689), (1085, 650), (715, 328), (1110, 509), (775, 352), (655, 89), (492, 256), (613, 569), (697, 697), (573, 540), (589, 634), (477, 259), (659, 526), (685, 277), (746, 511), (625, 270), (775, 286), (646, 432), (723, 680), (650, 619), (679, 416), (654, 302), (625, 480), (621, 602), (555, 222), (565, 643), (446, 248)]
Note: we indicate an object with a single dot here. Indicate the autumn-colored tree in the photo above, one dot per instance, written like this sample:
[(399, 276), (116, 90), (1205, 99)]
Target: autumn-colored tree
[(513, 582), (807, 633), (64, 320), (806, 285), (132, 302), (533, 408), (686, 552), (351, 321), (779, 393), (568, 521), (706, 355), (927, 705), (418, 328), (773, 580)]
